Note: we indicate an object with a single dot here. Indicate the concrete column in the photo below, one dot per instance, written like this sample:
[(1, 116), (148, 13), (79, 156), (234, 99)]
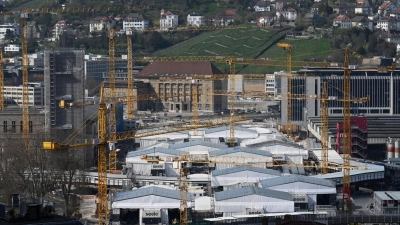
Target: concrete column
[(390, 149), (396, 149)]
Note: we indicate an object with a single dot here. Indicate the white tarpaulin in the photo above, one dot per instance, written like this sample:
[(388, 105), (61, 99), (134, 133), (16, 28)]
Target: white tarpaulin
[(148, 202), (203, 203), (240, 204), (246, 176), (304, 188)]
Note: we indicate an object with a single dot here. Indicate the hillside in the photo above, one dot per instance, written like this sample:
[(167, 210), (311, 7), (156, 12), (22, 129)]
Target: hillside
[(247, 43), (251, 42)]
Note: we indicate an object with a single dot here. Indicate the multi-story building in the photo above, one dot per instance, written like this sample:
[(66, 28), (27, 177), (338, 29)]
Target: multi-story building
[(13, 94), (195, 19), (64, 80), (359, 136), (135, 21), (342, 21), (288, 13), (13, 27), (101, 23), (262, 6), (59, 28), (168, 20), (36, 60), (97, 68), (12, 48), (173, 83), (270, 84), (382, 87), (386, 202)]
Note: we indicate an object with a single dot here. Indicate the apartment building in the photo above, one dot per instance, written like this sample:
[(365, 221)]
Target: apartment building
[(13, 94)]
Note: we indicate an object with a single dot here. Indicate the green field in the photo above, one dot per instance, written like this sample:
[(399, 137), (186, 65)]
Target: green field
[(251, 42), (303, 50), (247, 43)]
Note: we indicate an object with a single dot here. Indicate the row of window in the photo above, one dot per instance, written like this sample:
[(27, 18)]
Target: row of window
[(14, 126)]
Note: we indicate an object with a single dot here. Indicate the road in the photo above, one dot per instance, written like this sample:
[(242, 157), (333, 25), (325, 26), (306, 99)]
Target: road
[(361, 199)]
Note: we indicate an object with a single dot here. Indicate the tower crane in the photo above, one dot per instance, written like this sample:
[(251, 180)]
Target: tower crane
[(288, 47), (1, 81), (324, 133), (347, 133), (112, 118)]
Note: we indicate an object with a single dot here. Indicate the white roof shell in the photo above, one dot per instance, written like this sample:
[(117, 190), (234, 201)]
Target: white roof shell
[(236, 201), (297, 184), (147, 198), (241, 174)]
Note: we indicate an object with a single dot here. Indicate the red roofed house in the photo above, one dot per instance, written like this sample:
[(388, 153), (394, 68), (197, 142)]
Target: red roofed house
[(100, 23), (168, 20), (224, 18), (386, 8), (288, 13), (173, 83), (58, 28), (342, 21)]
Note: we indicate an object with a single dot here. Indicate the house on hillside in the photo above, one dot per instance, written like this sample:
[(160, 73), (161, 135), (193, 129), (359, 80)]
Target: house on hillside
[(287, 13), (280, 4), (262, 6), (342, 21), (196, 19), (101, 23), (386, 24), (395, 14), (344, 9), (135, 21), (363, 2), (264, 21), (386, 8), (224, 18), (362, 22), (61, 27), (168, 20), (314, 7), (363, 9)]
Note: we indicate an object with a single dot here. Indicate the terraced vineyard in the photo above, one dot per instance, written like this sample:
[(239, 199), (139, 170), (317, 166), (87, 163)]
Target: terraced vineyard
[(303, 50), (246, 43)]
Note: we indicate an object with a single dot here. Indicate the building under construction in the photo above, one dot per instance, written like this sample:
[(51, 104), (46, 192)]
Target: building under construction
[(64, 80)]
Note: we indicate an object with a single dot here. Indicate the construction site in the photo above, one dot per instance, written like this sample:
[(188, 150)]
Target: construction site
[(180, 142)]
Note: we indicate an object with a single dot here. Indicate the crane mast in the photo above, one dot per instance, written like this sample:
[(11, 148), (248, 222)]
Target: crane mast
[(1, 81), (288, 48), (112, 118), (231, 101), (130, 108), (324, 133), (102, 164), (195, 102), (347, 134), (25, 93)]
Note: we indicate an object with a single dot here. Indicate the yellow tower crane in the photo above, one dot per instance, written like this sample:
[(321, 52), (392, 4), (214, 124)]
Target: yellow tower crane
[(130, 108), (1, 81), (112, 118), (25, 91), (347, 134), (324, 132), (288, 48)]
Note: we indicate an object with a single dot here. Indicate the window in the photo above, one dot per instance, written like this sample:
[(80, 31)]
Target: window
[(21, 127), (5, 126), (30, 126), (13, 126)]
